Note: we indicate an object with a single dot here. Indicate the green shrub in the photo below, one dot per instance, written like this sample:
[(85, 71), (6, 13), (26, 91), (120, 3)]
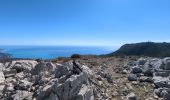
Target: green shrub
[(75, 56)]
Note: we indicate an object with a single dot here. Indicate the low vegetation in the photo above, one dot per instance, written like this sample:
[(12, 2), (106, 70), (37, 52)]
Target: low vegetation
[(75, 56)]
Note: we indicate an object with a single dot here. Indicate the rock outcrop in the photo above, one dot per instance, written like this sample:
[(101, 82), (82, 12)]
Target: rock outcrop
[(153, 70), (44, 80), (74, 80)]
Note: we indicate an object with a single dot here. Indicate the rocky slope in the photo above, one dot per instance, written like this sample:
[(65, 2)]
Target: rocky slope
[(28, 79), (94, 78), (154, 71)]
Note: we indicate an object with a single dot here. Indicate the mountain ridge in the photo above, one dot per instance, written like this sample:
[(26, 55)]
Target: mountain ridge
[(152, 49)]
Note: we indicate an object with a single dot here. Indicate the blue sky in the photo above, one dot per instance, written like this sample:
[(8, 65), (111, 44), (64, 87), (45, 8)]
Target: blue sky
[(83, 22)]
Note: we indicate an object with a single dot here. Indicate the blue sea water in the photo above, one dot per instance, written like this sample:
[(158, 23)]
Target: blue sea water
[(50, 52)]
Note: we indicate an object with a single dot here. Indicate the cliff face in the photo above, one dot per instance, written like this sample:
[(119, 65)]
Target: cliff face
[(144, 49)]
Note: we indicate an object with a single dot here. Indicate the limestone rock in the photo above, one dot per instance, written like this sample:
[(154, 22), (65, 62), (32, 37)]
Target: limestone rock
[(132, 77), (160, 84), (167, 63), (2, 67), (23, 95), (53, 97), (67, 85), (46, 68), (2, 77), (23, 65), (10, 72), (131, 96), (23, 85), (158, 92), (136, 70), (85, 93), (141, 61), (61, 70), (146, 79)]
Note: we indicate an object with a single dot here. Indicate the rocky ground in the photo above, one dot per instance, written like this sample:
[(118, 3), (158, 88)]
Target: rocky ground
[(86, 78)]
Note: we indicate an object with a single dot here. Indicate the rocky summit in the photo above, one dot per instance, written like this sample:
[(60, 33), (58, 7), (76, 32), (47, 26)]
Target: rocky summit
[(91, 78), (44, 80)]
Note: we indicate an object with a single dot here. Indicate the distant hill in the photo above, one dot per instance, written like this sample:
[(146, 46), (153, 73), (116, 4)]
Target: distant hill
[(144, 49)]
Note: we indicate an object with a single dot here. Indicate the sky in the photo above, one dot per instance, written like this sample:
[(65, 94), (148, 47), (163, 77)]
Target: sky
[(83, 22)]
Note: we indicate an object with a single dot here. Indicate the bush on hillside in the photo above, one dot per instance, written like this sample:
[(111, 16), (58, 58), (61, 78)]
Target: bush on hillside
[(75, 56)]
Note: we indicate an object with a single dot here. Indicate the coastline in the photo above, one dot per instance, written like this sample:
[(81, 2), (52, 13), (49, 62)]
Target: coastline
[(52, 52)]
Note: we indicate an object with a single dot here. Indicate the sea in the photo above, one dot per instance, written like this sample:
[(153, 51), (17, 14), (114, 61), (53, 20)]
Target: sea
[(52, 52)]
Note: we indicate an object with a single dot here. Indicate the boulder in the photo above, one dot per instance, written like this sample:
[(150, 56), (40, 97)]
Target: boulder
[(158, 65), (132, 77), (53, 97), (131, 96), (132, 63), (2, 77), (2, 89), (43, 80), (102, 74), (10, 72), (162, 73), (141, 61), (23, 65), (61, 70), (151, 66), (160, 84), (124, 71), (136, 70), (158, 92), (166, 94), (148, 72), (146, 79), (23, 95), (73, 88), (43, 67), (139, 74), (109, 78), (166, 61), (115, 93), (87, 70), (76, 83), (2, 82), (106, 76), (46, 90), (23, 85), (20, 75), (9, 87), (85, 93), (2, 67), (163, 93)]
